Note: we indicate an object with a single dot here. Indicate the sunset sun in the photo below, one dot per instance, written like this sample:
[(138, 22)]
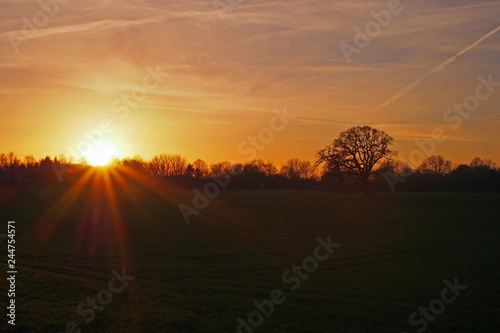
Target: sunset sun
[(101, 154)]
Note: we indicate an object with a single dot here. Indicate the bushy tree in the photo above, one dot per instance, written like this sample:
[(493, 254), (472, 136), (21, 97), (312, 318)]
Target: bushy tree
[(356, 151), (297, 169), (435, 165), (201, 169)]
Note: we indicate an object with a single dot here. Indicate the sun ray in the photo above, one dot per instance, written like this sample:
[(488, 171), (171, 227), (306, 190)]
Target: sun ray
[(45, 227), (117, 222)]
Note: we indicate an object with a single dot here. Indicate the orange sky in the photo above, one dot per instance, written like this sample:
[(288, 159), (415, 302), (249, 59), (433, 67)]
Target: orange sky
[(221, 76)]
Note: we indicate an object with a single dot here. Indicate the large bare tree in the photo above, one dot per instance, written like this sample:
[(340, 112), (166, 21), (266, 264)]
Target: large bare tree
[(356, 151)]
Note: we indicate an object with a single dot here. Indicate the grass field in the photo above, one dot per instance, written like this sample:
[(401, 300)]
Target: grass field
[(395, 252)]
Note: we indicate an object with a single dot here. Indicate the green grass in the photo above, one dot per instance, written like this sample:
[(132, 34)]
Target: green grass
[(396, 250)]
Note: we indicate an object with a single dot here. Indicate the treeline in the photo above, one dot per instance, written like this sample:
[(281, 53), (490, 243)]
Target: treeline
[(254, 174), (167, 168), (434, 174)]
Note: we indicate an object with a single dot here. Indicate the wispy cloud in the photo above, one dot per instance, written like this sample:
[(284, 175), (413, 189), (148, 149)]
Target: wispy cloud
[(403, 92), (262, 55)]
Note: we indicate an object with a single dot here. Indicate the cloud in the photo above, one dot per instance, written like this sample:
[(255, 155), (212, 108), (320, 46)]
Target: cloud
[(261, 55), (403, 92), (451, 7)]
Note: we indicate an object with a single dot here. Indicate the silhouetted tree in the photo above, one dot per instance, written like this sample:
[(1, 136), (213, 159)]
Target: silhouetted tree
[(484, 175), (46, 163), (221, 169), (333, 160), (357, 152), (393, 172), (435, 165), (158, 165), (178, 165), (267, 168), (29, 161), (13, 160), (399, 168), (477, 162), (201, 170), (296, 169), (136, 163), (63, 159), (3, 161), (360, 149), (167, 165), (189, 171), (82, 161)]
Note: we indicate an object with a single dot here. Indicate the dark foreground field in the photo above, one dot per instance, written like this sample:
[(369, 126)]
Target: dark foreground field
[(395, 252)]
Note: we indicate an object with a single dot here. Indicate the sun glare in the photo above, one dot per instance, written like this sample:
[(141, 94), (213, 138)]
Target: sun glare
[(101, 154)]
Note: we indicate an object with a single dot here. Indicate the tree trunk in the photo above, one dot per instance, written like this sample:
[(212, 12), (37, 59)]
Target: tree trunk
[(341, 183), (366, 187)]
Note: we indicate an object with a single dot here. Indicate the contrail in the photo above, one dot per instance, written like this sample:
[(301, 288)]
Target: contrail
[(441, 66), (462, 7)]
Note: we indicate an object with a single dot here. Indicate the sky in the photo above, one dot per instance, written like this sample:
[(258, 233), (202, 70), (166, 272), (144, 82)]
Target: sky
[(198, 77)]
